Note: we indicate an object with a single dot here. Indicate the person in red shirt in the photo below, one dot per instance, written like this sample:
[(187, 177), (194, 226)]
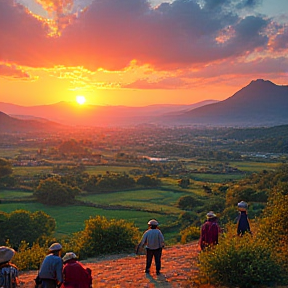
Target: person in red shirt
[(209, 231), (75, 275)]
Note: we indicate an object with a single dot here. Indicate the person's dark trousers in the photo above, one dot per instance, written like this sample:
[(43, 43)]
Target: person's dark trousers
[(157, 256), (49, 283)]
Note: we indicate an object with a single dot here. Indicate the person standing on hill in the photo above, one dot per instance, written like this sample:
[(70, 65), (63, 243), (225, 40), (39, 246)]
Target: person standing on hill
[(243, 225), (8, 271), (153, 240), (209, 232), (75, 275), (51, 268)]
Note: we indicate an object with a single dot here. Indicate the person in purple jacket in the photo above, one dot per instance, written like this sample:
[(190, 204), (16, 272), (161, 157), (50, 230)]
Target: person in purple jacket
[(243, 225)]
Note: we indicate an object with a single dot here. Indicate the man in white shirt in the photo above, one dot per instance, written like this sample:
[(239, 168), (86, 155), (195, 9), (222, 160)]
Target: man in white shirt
[(153, 241)]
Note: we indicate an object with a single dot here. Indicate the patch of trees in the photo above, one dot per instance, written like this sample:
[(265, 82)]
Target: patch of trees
[(188, 202), (184, 182), (22, 225), (256, 187), (272, 139), (52, 192), (5, 173), (62, 190), (115, 182)]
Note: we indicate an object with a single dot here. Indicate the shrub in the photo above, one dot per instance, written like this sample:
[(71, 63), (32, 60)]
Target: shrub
[(241, 261), (188, 202), (22, 225), (29, 258), (101, 236), (273, 226), (189, 234)]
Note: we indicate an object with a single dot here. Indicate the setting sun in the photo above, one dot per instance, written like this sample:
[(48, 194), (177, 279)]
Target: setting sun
[(80, 100)]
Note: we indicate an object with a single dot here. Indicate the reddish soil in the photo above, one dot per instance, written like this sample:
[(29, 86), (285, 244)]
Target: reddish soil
[(179, 264)]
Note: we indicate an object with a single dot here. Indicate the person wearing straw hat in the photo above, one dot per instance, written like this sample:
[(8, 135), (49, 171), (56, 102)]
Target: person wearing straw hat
[(153, 240), (75, 275), (51, 268), (243, 225), (8, 271), (209, 231)]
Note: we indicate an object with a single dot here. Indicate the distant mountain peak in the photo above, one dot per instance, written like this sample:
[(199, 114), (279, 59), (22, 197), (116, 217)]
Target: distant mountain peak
[(261, 82)]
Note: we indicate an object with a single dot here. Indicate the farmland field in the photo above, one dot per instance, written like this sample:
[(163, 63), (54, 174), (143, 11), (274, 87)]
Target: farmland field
[(71, 219), (148, 199), (12, 194)]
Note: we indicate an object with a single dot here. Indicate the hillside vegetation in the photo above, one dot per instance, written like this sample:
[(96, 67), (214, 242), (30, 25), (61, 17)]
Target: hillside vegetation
[(95, 193)]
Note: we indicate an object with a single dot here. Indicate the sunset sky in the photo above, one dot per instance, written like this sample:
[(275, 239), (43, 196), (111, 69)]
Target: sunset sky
[(139, 52)]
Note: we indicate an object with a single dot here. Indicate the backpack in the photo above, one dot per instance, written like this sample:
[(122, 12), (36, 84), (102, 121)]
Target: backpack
[(8, 276)]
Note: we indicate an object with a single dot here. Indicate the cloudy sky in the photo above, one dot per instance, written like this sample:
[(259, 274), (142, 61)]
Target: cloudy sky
[(139, 52)]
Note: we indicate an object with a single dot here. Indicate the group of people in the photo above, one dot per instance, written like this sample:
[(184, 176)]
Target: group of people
[(210, 229), (68, 272), (55, 272)]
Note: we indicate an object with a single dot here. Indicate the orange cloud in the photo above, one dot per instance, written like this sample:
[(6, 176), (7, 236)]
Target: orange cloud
[(13, 71)]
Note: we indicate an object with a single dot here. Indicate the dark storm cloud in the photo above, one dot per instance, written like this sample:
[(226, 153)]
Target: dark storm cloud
[(111, 33)]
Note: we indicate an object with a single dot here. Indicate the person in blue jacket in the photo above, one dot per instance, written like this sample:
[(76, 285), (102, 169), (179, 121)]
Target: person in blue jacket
[(243, 225), (51, 268)]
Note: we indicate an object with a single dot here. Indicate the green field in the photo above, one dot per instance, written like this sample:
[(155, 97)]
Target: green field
[(13, 194), (101, 169), (215, 178), (71, 219), (148, 199), (31, 171), (255, 166)]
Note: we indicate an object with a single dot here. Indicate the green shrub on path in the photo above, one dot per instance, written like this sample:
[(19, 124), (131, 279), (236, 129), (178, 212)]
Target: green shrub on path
[(29, 258), (241, 262), (102, 236), (189, 234)]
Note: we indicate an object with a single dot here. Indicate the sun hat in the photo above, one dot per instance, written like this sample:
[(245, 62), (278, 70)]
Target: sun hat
[(153, 222), (6, 254), (210, 215), (55, 247), (69, 256), (242, 206)]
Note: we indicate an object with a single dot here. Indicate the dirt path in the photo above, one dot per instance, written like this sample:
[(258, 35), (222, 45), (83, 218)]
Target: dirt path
[(178, 264)]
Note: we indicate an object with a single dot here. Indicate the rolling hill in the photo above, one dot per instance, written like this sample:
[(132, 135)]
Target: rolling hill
[(261, 103), (13, 125)]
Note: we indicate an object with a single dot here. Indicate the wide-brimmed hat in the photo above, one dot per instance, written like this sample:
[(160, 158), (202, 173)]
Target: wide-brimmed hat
[(153, 222), (69, 256), (55, 247), (242, 206), (210, 215), (6, 254)]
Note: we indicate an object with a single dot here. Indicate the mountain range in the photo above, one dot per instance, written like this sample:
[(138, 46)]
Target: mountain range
[(261, 103)]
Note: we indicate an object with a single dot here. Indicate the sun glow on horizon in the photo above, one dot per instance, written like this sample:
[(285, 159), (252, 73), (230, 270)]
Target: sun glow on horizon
[(80, 100)]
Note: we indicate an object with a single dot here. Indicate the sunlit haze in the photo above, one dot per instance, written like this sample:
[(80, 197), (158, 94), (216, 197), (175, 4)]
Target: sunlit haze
[(138, 52)]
